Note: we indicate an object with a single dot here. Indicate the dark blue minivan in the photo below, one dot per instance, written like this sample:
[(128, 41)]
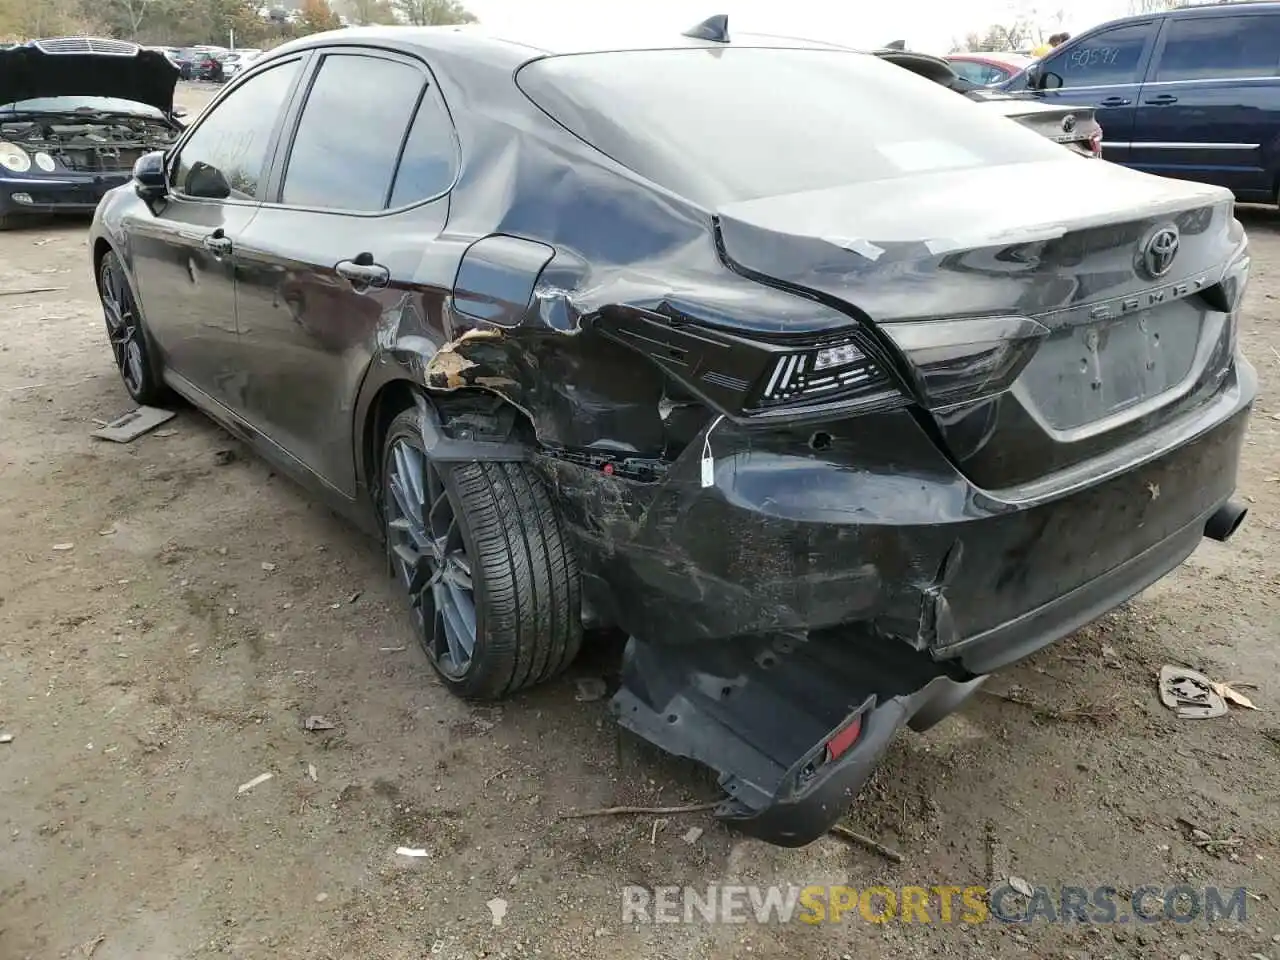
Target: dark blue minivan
[(1191, 93)]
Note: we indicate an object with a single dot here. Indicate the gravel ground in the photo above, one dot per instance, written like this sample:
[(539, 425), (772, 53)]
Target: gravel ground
[(205, 608)]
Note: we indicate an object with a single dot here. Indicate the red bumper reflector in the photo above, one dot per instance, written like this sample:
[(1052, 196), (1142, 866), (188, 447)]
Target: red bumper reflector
[(844, 738)]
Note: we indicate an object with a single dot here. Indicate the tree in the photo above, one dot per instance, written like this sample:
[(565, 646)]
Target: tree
[(24, 19), (316, 16), (998, 37), (1154, 6), (126, 17), (365, 12), (433, 12)]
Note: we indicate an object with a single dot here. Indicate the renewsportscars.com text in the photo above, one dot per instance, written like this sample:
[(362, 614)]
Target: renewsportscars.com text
[(813, 904)]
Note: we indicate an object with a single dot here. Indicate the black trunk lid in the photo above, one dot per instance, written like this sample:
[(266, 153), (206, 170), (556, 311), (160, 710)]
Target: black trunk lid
[(1128, 343)]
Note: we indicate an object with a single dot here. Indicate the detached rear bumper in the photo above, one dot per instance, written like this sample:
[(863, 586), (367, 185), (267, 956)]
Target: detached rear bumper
[(863, 579), (761, 711), (794, 725)]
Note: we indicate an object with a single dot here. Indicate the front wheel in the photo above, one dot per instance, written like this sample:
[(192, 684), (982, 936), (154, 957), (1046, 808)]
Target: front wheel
[(491, 580), (129, 343)]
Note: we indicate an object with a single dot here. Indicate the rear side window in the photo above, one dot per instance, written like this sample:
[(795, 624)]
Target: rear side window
[(349, 137), (1110, 57), (1204, 48), (736, 124), (426, 166)]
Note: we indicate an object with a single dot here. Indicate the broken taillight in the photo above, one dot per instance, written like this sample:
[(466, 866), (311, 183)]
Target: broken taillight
[(1095, 143), (844, 738)]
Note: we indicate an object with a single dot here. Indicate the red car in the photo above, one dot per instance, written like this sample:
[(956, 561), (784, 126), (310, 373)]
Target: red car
[(985, 69)]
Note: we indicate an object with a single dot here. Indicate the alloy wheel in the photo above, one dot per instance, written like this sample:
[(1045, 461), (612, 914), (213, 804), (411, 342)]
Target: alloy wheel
[(123, 328), (427, 549)]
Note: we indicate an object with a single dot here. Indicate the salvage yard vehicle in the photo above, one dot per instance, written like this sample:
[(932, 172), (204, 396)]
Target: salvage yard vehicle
[(75, 114), (237, 61), (1192, 92), (831, 418)]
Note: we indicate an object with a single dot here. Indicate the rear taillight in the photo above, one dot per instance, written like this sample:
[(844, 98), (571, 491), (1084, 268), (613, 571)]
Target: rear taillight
[(1095, 143), (956, 361), (833, 371)]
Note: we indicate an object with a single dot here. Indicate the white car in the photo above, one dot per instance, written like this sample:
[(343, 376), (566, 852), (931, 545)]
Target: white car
[(238, 60)]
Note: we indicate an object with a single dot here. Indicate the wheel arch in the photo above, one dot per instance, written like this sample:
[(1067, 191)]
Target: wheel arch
[(101, 247), (390, 388)]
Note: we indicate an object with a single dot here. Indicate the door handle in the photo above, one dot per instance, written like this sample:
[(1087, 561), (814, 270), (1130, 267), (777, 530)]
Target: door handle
[(363, 272), (217, 243), (1115, 102), (1162, 101)]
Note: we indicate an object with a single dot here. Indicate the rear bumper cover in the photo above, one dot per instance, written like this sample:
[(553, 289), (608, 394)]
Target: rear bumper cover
[(885, 585)]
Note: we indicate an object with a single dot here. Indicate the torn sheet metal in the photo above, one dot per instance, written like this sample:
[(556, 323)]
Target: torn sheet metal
[(447, 369)]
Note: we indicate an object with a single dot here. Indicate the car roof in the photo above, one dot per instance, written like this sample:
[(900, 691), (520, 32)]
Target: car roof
[(1218, 9), (1225, 6), (481, 40)]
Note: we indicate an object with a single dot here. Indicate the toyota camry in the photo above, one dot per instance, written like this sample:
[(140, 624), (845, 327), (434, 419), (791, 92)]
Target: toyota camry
[(789, 364)]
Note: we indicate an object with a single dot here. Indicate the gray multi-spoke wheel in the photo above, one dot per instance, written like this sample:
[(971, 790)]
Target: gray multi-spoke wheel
[(491, 581), (428, 551), (124, 330)]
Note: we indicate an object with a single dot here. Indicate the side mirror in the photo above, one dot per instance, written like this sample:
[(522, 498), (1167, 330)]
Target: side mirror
[(1050, 81), (207, 182), (1035, 76), (149, 177)]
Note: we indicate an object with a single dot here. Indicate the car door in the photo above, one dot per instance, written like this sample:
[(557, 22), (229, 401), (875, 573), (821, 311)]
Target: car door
[(183, 251), (1210, 109), (1104, 70), (339, 251)]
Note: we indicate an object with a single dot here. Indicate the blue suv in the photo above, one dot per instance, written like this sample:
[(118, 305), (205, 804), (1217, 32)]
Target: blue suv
[(1191, 93)]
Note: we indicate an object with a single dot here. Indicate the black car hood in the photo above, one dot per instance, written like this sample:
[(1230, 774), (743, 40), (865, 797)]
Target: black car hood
[(27, 72)]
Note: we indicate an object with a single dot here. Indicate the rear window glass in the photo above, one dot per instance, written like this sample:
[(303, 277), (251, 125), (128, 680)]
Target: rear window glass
[(724, 125)]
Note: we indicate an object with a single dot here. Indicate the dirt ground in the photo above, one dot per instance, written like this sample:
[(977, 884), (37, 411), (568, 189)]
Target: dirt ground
[(171, 614)]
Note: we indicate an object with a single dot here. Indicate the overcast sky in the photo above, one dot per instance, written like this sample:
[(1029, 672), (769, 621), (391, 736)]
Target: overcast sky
[(927, 25)]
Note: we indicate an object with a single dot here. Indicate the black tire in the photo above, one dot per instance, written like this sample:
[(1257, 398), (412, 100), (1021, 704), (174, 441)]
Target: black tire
[(128, 338), (8, 221), (527, 607)]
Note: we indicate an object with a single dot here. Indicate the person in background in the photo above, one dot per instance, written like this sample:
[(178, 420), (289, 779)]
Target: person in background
[(1052, 42)]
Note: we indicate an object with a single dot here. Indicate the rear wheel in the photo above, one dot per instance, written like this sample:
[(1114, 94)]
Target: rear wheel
[(129, 343), (491, 581)]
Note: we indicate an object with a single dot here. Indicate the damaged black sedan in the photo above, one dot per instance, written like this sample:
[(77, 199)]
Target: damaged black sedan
[(832, 390), (75, 115)]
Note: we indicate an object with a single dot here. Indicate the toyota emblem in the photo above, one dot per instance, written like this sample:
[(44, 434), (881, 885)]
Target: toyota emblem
[(1158, 251)]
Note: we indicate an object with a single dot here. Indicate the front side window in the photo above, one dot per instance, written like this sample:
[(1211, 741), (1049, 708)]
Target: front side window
[(352, 128), (1109, 57), (1205, 48), (226, 155)]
